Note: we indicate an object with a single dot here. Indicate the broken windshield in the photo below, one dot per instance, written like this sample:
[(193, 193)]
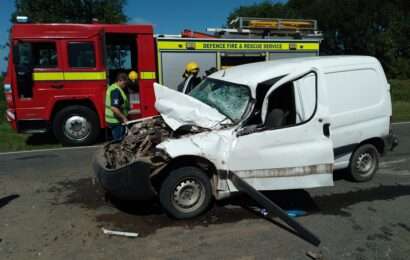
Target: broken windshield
[(228, 98)]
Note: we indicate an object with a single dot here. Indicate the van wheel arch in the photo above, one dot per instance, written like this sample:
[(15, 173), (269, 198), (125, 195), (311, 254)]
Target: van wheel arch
[(184, 161)]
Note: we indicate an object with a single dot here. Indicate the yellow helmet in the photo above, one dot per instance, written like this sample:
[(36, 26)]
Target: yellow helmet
[(133, 75), (192, 67)]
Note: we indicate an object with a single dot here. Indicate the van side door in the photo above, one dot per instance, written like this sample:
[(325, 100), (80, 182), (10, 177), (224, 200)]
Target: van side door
[(292, 148)]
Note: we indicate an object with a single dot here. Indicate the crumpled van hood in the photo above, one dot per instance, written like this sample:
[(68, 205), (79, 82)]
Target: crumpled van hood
[(178, 109)]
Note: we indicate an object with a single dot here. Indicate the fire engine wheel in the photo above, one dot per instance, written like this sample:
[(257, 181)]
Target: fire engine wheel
[(186, 193), (76, 125), (364, 163)]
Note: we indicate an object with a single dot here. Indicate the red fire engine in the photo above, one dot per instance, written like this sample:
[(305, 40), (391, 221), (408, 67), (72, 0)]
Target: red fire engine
[(58, 73)]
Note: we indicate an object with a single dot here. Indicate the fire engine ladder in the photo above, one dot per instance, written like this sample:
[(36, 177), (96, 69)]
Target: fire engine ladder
[(272, 208), (268, 27)]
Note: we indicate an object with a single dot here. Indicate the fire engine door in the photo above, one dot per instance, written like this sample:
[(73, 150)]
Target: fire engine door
[(38, 73)]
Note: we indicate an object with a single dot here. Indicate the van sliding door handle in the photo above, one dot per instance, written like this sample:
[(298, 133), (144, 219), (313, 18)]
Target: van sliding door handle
[(326, 129)]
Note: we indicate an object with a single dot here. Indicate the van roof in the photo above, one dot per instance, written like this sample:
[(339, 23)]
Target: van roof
[(254, 73)]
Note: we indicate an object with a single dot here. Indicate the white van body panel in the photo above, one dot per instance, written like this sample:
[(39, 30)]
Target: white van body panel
[(349, 93), (357, 91)]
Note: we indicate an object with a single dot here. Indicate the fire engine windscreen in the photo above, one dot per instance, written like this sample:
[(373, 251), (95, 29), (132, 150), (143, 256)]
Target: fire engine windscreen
[(228, 98)]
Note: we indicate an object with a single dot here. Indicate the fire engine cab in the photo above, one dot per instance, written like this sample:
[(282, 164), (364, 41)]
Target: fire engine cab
[(58, 73)]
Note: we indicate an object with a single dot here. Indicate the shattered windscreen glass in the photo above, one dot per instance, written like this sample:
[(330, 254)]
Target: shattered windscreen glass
[(228, 98)]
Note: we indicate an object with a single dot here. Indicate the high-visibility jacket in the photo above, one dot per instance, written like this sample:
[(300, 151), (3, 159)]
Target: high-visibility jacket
[(110, 118)]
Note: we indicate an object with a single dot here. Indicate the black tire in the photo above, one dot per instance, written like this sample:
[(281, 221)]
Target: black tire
[(78, 115), (184, 181), (364, 163)]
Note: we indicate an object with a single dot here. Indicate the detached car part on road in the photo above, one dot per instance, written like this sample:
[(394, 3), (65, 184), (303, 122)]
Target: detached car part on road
[(283, 124)]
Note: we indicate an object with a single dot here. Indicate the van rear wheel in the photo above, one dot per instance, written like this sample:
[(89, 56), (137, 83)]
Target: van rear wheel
[(76, 125), (186, 193), (364, 163)]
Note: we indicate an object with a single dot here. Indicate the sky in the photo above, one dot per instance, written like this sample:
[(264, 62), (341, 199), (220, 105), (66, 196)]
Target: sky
[(168, 17)]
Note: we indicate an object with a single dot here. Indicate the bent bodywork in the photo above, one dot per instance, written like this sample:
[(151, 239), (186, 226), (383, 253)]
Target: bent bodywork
[(189, 131)]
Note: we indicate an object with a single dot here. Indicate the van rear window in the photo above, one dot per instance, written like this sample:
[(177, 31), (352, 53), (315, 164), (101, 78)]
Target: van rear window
[(81, 55)]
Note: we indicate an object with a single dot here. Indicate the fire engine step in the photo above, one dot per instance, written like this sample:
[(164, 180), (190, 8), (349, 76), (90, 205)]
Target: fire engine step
[(274, 209)]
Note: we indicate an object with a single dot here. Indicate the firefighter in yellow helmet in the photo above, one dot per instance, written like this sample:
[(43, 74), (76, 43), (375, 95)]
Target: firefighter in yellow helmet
[(191, 78)]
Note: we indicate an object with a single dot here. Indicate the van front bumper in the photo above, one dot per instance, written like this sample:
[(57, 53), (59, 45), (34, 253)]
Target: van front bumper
[(131, 182)]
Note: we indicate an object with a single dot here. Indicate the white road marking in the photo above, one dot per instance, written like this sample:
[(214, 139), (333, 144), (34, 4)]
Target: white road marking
[(51, 150), (393, 162), (401, 123)]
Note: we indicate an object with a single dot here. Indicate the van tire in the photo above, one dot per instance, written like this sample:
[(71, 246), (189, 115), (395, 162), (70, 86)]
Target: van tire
[(364, 163), (76, 126), (186, 193)]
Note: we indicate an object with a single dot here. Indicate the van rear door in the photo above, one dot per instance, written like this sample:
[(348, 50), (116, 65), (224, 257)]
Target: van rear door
[(292, 149)]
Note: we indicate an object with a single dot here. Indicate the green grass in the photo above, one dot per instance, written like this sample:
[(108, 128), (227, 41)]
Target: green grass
[(11, 141), (400, 93)]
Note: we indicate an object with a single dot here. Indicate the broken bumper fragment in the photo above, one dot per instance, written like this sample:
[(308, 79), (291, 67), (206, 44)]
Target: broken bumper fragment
[(130, 182)]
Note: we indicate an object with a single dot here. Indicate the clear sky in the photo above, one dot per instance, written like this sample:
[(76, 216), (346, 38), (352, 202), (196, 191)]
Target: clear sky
[(167, 16)]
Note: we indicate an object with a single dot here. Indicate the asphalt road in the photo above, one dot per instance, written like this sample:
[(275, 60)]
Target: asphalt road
[(50, 209)]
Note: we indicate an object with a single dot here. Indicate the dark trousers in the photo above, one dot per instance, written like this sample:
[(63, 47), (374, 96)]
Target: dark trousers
[(117, 132)]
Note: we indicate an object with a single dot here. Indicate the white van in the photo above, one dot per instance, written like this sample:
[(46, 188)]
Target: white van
[(284, 124)]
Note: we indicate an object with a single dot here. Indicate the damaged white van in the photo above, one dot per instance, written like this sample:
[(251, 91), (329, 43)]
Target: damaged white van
[(283, 124)]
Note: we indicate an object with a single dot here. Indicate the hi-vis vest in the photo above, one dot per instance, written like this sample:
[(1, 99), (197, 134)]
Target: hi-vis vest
[(109, 115)]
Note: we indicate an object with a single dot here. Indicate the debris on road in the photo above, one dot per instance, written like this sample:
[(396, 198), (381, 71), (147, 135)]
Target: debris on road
[(119, 233), (272, 208), (314, 256)]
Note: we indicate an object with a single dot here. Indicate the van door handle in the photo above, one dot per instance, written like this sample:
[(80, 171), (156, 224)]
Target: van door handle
[(326, 129), (60, 86)]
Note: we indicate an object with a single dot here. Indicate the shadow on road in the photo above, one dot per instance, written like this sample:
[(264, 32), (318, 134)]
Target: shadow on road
[(6, 200), (147, 217), (41, 139)]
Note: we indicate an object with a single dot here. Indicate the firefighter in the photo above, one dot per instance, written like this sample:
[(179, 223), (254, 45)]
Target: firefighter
[(191, 78), (117, 106)]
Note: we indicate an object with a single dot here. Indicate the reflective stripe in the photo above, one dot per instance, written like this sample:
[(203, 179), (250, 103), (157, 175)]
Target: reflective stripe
[(44, 76), (40, 76), (147, 75), (85, 75), (237, 45)]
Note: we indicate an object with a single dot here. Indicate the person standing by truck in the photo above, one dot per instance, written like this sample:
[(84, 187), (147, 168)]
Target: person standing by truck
[(117, 106), (191, 78)]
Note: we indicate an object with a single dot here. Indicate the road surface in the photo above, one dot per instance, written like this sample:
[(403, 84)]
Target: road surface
[(50, 209)]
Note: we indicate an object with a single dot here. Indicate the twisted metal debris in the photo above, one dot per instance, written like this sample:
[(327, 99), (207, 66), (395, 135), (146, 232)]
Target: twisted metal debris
[(139, 142)]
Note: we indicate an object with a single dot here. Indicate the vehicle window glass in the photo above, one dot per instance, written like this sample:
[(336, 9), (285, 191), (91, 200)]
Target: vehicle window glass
[(81, 55), (44, 55), (228, 98), (305, 97), (119, 57), (23, 55), (292, 103)]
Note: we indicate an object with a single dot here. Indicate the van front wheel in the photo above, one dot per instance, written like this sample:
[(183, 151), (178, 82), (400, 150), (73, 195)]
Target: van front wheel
[(364, 163), (186, 193)]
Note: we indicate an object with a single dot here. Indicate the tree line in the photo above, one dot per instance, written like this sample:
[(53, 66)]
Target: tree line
[(359, 27)]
